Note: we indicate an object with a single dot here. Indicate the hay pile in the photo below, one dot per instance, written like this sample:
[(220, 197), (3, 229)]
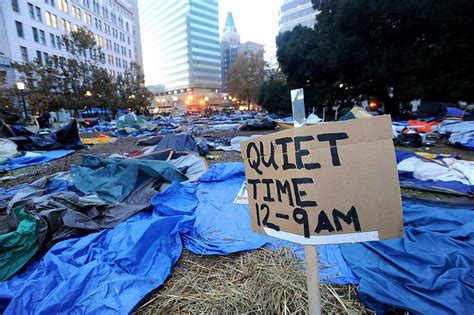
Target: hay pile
[(261, 281)]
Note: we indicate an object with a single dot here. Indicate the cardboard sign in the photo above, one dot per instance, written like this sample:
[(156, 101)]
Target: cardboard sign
[(324, 184)]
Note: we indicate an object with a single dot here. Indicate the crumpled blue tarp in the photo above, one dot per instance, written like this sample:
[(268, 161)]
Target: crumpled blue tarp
[(42, 157), (223, 227), (102, 273), (429, 271), (408, 180)]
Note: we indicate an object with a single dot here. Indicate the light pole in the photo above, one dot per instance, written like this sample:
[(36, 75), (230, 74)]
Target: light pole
[(87, 95), (21, 86)]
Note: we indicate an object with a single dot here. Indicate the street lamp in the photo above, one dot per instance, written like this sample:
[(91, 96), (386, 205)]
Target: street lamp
[(131, 97), (88, 93), (21, 86), (206, 99)]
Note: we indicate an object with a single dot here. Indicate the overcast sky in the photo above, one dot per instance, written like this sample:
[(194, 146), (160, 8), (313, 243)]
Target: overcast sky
[(256, 21)]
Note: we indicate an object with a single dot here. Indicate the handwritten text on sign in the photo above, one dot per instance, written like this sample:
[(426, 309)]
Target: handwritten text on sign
[(328, 179)]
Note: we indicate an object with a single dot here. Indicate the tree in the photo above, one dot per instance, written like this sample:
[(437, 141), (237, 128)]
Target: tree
[(132, 92), (246, 77), (274, 93), (396, 51)]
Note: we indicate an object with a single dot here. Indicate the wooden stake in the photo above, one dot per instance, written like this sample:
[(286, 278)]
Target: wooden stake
[(310, 251), (312, 279)]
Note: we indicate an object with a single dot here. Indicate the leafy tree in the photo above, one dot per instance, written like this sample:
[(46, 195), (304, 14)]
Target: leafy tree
[(246, 77), (274, 93), (79, 81), (132, 92), (396, 51)]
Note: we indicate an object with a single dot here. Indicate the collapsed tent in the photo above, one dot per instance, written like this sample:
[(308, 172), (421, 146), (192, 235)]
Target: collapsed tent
[(177, 143), (356, 112), (435, 173), (429, 271), (259, 124), (461, 133), (65, 138), (115, 179), (130, 120)]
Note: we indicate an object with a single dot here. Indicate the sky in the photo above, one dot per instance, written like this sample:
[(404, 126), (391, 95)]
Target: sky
[(256, 21)]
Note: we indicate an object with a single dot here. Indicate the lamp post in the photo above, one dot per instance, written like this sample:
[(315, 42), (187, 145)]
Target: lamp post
[(87, 95), (21, 86)]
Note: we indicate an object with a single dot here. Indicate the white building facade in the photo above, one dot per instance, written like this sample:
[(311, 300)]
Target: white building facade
[(32, 29)]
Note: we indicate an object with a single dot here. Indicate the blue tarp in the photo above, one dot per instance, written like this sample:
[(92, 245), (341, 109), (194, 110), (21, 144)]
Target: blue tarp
[(43, 157), (407, 179), (429, 271), (102, 273), (223, 227)]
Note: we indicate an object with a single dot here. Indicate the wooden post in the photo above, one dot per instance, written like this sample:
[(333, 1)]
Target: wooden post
[(310, 251), (312, 279)]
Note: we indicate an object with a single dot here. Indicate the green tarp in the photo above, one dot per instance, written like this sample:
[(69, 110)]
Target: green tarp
[(17, 247), (113, 180)]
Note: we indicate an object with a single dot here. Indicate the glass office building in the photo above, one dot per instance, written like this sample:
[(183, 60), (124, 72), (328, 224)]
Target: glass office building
[(180, 44), (296, 12)]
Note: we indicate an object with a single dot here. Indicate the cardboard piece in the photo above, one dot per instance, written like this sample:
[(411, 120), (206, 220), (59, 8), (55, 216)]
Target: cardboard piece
[(329, 183)]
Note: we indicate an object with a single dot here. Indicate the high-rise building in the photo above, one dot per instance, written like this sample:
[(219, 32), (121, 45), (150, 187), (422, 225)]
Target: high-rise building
[(32, 29), (231, 48), (296, 12), (181, 51)]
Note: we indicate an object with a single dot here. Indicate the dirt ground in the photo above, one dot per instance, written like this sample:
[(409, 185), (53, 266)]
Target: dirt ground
[(190, 265)]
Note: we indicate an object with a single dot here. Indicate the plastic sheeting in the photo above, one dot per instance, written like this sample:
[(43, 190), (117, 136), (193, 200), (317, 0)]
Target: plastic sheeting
[(429, 271), (65, 138), (34, 158), (461, 133), (257, 124), (102, 273), (440, 174), (223, 227), (18, 246), (114, 180)]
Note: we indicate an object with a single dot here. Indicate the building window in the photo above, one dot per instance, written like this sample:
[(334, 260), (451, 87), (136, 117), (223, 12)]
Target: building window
[(24, 54), (69, 27), (42, 37), (63, 25), (15, 6), (48, 18), (63, 6), (19, 29), (58, 42), (87, 18), (38, 14), (31, 9), (76, 12), (54, 21), (46, 57), (35, 34), (39, 57), (52, 40)]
